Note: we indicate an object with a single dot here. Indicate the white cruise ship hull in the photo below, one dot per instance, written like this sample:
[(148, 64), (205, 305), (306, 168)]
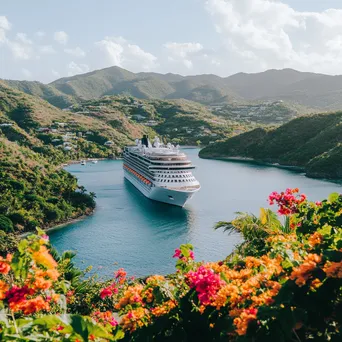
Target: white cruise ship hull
[(165, 195)]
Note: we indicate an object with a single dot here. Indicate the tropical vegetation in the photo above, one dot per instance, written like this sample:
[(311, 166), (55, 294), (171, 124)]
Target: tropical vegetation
[(312, 142), (283, 283)]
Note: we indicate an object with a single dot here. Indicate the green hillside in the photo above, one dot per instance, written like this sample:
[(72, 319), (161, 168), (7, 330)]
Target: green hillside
[(179, 121), (312, 142), (44, 91), (305, 91), (35, 139)]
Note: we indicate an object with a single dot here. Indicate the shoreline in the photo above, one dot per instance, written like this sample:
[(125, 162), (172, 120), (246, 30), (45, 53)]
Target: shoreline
[(59, 225), (299, 169), (255, 161)]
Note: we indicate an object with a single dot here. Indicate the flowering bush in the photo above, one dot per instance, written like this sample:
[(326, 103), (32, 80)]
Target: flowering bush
[(289, 290)]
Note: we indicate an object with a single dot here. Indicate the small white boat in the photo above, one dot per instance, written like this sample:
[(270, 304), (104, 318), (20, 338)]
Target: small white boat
[(94, 161), (83, 162)]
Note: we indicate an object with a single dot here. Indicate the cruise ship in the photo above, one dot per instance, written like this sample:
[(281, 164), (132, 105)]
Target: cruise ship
[(161, 172)]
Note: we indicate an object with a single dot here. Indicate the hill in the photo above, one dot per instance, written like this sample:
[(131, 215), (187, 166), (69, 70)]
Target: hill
[(46, 92), (179, 121), (35, 139), (312, 142), (311, 90)]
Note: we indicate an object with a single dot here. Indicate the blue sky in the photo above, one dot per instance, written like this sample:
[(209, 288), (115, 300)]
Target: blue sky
[(45, 40)]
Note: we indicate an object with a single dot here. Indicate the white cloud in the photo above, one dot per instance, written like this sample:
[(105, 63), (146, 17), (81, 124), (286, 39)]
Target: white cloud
[(77, 52), (75, 69), (259, 34), (183, 52), (47, 49), (4, 26), (22, 47), (61, 37), (118, 51), (22, 38)]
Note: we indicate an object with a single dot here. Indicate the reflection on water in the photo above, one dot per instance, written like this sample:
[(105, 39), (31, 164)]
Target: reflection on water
[(140, 234), (163, 219)]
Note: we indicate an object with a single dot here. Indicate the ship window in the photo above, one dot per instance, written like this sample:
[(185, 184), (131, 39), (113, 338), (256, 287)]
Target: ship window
[(168, 180)]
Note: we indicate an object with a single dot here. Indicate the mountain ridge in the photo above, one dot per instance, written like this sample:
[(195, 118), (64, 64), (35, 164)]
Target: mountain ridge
[(313, 90)]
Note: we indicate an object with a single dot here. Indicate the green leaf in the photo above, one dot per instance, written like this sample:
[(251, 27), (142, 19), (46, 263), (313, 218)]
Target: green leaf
[(325, 230), (333, 197), (286, 264)]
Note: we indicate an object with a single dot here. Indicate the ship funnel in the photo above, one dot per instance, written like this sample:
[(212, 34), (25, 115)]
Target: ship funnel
[(144, 140)]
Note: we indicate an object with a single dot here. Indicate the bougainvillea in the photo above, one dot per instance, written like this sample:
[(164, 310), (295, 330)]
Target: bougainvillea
[(291, 291)]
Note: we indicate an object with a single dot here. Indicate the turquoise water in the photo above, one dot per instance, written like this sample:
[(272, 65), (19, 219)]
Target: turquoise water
[(128, 230)]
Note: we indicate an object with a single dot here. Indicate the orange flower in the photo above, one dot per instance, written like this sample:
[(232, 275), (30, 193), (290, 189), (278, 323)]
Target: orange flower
[(333, 269), (315, 284), (149, 295), (155, 278), (30, 306), (3, 289), (302, 273), (43, 257), (52, 274), (245, 318), (41, 284), (5, 264), (315, 239), (164, 309), (131, 296), (135, 319)]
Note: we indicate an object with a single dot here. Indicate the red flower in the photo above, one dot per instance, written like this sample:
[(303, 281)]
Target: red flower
[(18, 294)]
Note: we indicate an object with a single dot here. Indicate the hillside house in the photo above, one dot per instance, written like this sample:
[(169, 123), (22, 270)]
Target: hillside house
[(6, 125), (44, 129), (109, 143), (151, 123), (138, 117)]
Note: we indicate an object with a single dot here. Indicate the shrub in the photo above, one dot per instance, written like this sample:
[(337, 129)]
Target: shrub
[(8, 243), (17, 217), (289, 291), (6, 224)]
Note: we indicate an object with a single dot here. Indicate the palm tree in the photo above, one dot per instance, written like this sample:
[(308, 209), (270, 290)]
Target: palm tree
[(255, 230)]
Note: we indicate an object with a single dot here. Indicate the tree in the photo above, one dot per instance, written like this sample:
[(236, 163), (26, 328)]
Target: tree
[(6, 224)]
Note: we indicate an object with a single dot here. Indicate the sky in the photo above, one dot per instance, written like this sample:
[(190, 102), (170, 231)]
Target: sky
[(45, 40)]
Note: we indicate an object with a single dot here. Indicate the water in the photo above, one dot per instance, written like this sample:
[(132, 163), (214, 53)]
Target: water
[(128, 230)]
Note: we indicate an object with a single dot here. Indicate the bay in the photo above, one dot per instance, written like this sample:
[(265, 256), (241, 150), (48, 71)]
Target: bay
[(128, 230)]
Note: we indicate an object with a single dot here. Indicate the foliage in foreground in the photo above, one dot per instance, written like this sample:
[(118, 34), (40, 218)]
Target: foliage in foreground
[(282, 284)]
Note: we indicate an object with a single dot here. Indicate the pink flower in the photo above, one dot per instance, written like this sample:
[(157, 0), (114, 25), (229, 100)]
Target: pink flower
[(177, 254), (287, 202), (108, 291), (192, 255), (206, 283)]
